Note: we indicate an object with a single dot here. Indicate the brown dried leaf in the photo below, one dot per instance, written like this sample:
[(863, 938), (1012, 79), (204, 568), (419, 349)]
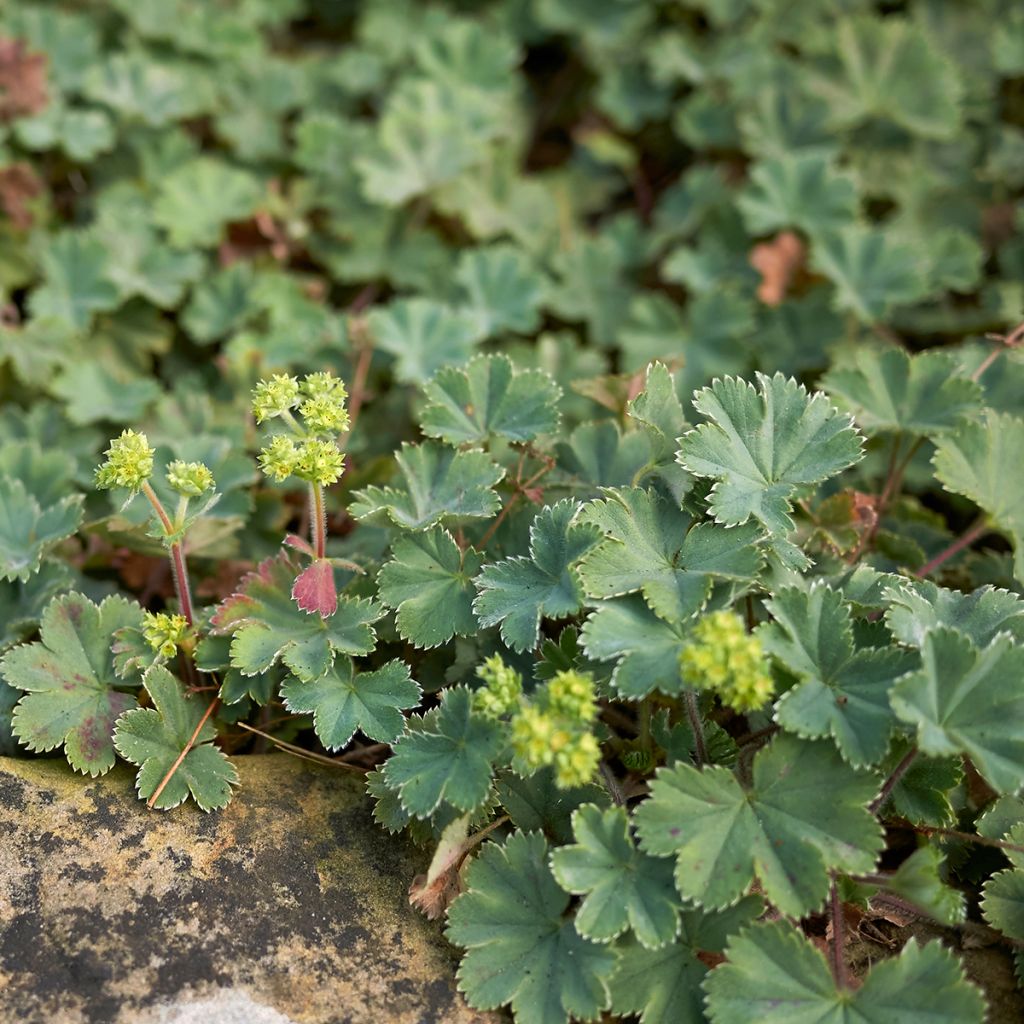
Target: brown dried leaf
[(778, 262), (22, 80), (19, 185)]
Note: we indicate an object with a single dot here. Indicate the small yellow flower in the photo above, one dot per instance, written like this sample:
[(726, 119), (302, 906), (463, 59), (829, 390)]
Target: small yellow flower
[(572, 694), (319, 462), (322, 415), (129, 462), (502, 689), (274, 396), (723, 657), (576, 763), (189, 479), (279, 457), (164, 632)]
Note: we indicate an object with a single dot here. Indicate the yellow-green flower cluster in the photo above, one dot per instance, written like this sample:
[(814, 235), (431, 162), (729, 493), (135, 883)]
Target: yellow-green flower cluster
[(128, 463), (189, 479), (555, 730), (274, 397), (163, 631), (502, 689), (723, 657), (310, 453)]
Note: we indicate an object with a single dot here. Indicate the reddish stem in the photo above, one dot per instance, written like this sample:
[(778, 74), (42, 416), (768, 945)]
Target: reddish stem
[(978, 529), (181, 757), (838, 957), (893, 781), (318, 520)]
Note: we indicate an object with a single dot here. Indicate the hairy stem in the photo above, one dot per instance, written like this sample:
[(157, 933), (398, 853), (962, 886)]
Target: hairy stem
[(179, 569), (893, 781), (968, 837), (693, 713), (318, 519), (978, 529)]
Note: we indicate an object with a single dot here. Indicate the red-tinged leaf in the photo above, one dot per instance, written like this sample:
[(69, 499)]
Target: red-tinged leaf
[(314, 589), (293, 540)]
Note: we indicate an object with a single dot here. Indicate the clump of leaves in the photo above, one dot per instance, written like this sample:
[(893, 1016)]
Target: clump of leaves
[(680, 669)]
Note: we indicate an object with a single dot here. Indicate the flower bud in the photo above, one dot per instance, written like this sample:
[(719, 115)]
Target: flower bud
[(189, 479), (129, 462)]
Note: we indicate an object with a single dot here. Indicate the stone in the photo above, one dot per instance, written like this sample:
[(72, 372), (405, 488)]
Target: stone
[(287, 907)]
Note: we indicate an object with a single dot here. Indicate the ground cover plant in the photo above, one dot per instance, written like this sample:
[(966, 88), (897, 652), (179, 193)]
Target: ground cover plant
[(600, 423)]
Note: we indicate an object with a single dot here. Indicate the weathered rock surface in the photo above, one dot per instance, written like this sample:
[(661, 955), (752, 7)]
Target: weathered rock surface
[(288, 907)]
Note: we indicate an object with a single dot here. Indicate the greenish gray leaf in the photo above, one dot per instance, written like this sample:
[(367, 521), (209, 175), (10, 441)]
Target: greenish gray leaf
[(441, 485), (343, 701), (918, 606), (518, 591), (787, 829), (72, 698), (76, 282), (27, 531), (153, 738), (967, 700), (501, 288), (429, 583), (522, 949)]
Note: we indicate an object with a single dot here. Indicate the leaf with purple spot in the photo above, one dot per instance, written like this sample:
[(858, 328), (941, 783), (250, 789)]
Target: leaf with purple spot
[(72, 697)]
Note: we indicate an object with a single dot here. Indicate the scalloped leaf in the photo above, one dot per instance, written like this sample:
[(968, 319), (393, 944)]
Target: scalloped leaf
[(1003, 903), (502, 289), (153, 738), (788, 829), (982, 462), (522, 949), (919, 881), (490, 397), (763, 445), (27, 532), (518, 591), (663, 985), (844, 692), (72, 698), (343, 701), (891, 391), (267, 625), (776, 975), (621, 887), (968, 700), (76, 279), (424, 336), (441, 485), (429, 583), (450, 760), (918, 606), (646, 647), (653, 547)]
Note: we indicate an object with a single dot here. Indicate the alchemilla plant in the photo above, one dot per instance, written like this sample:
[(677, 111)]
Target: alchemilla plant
[(600, 423)]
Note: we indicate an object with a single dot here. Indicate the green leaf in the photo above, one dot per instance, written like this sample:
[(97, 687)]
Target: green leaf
[(47, 475), (343, 701), (891, 391), (918, 880), (776, 976), (537, 804), (844, 692), (22, 604), (647, 648), (797, 190), (788, 829), (658, 412), (1003, 903), (268, 625), (663, 985), (69, 676), (427, 136), (196, 200), (429, 583), (220, 303), (653, 547), (522, 950), (890, 70), (450, 760), (27, 531), (918, 606), (153, 738), (871, 272), (442, 485), (490, 397), (92, 393), (501, 288), (966, 700), (622, 887), (519, 591), (762, 446), (424, 336), (140, 87), (982, 462), (76, 282)]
